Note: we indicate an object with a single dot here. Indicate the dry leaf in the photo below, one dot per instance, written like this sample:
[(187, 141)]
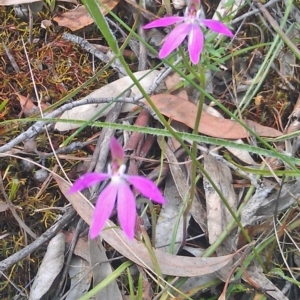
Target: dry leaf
[(265, 202), (259, 280), (169, 212), (81, 247), (113, 89), (46, 23), (180, 110), (223, 9), (137, 252), (171, 83), (50, 268), (28, 108), (80, 276), (79, 17), (176, 190), (168, 219), (296, 110), (218, 216), (102, 270), (241, 154)]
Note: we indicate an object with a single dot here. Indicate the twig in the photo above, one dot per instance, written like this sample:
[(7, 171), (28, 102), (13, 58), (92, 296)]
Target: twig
[(132, 42), (279, 31), (161, 77), (38, 127), (11, 59), (252, 178), (91, 49), (251, 13), (45, 237), (70, 148), (63, 278)]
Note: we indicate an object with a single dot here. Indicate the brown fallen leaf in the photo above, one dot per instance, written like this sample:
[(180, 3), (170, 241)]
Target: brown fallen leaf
[(28, 108), (180, 110), (79, 17), (137, 252)]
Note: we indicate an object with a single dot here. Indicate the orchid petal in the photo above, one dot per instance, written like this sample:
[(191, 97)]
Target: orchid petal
[(163, 22), (126, 209), (116, 150), (104, 206), (195, 43), (87, 180), (174, 39), (146, 187), (217, 26)]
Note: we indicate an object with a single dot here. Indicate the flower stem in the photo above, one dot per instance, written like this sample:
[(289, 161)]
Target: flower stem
[(202, 82)]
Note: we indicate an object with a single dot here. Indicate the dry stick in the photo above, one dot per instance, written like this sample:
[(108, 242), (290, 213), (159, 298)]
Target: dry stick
[(133, 44), (11, 59), (59, 290), (84, 44), (70, 148), (251, 13), (277, 28), (45, 237), (38, 127), (129, 54)]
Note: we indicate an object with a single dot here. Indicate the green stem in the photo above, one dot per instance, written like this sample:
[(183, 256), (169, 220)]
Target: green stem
[(202, 82)]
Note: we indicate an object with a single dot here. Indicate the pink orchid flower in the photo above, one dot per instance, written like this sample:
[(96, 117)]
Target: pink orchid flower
[(117, 190), (190, 25)]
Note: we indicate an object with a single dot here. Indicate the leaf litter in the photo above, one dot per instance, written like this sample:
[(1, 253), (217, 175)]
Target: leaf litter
[(272, 116)]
